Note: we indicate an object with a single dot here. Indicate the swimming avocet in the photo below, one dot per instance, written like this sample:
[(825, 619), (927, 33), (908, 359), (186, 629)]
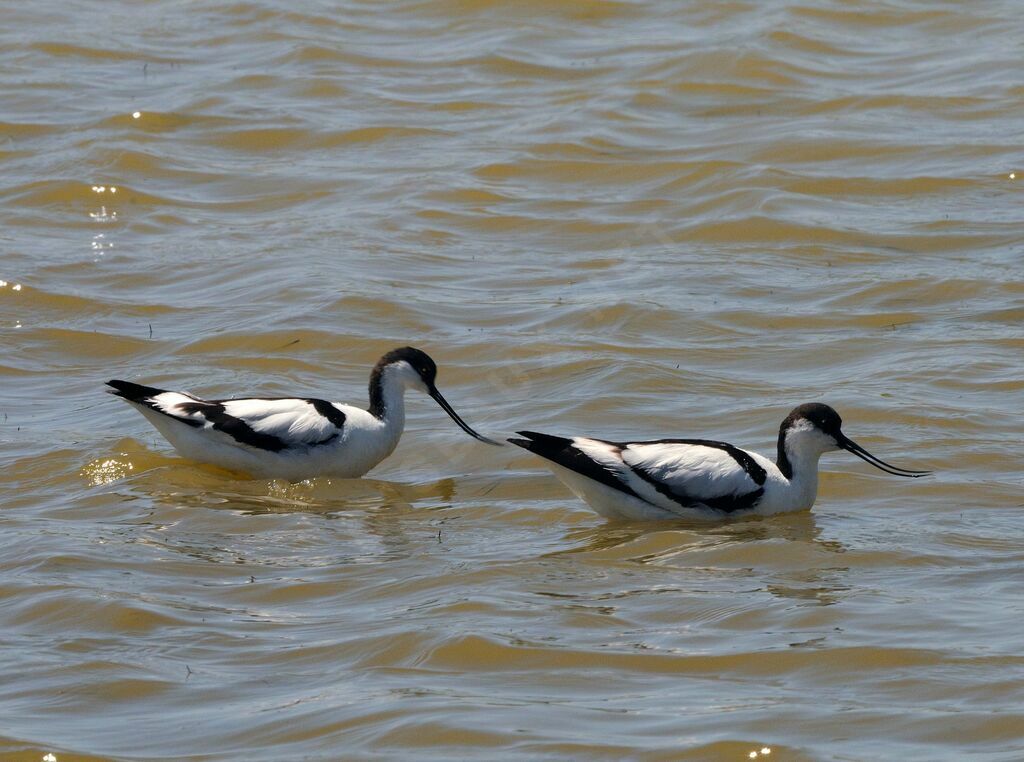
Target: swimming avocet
[(699, 478), (294, 438)]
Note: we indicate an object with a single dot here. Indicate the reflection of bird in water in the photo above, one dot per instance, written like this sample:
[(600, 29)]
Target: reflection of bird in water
[(785, 557), (698, 478), (657, 542), (294, 437)]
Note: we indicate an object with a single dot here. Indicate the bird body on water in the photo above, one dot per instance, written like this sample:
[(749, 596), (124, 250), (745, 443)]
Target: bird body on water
[(698, 478), (293, 438)]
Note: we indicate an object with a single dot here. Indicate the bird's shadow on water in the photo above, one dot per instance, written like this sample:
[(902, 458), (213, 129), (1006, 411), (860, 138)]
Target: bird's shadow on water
[(179, 482), (786, 555), (380, 519), (793, 527), (330, 498)]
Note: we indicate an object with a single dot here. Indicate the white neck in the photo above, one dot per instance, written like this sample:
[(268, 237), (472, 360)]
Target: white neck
[(392, 385), (802, 450), (387, 394), (804, 481)]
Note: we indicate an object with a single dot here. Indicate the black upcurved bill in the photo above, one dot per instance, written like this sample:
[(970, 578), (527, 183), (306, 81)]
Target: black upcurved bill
[(848, 444), (436, 395)]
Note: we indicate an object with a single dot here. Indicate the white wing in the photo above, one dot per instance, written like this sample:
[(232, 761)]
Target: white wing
[(682, 473), (296, 422), (266, 424)]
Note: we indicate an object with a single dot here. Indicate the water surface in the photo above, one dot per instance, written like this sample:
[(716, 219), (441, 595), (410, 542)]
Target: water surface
[(626, 219)]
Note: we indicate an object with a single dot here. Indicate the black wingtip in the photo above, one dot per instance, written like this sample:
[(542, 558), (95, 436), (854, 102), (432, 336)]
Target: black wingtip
[(132, 392), (562, 452), (546, 445), (531, 434)]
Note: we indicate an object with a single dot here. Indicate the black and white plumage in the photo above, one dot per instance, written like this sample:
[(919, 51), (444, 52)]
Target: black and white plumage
[(293, 438), (698, 478)]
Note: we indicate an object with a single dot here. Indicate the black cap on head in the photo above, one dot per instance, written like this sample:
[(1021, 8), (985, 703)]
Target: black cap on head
[(819, 414), (418, 359)]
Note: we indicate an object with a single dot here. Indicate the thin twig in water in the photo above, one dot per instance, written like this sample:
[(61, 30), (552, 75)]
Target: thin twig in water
[(489, 490)]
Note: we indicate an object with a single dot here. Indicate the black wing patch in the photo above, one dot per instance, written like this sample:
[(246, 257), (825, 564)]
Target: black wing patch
[(242, 432), (214, 412), (561, 451), (332, 414), (235, 428), (328, 411), (724, 503), (754, 469)]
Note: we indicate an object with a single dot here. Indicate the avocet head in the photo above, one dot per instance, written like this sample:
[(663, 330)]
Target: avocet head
[(414, 369), (814, 428), (411, 367)]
